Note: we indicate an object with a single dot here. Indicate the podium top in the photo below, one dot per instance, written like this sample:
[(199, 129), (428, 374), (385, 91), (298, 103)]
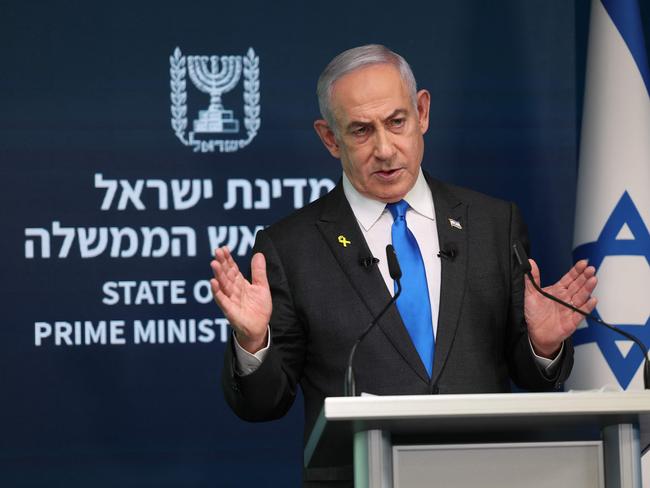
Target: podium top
[(449, 418)]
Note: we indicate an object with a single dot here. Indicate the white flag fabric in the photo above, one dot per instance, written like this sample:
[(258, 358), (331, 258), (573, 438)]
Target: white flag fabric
[(613, 201)]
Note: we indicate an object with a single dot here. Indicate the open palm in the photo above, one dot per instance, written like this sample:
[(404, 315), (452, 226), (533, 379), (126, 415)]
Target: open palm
[(550, 323), (246, 305)]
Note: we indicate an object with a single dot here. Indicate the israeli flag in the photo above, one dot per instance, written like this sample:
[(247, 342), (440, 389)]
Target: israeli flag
[(613, 201)]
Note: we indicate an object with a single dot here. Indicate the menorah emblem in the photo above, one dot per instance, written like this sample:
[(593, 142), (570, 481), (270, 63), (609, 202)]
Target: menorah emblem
[(215, 75), (215, 81)]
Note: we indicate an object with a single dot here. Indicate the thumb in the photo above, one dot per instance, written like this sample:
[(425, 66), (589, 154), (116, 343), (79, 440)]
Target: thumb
[(258, 270), (534, 271)]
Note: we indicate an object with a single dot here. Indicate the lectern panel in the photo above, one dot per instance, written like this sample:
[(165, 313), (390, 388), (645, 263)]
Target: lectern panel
[(512, 465)]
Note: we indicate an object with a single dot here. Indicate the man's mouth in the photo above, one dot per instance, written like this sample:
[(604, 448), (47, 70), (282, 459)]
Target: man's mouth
[(388, 174)]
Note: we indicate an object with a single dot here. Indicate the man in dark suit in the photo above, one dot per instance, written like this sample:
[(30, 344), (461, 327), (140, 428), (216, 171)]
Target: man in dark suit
[(315, 285)]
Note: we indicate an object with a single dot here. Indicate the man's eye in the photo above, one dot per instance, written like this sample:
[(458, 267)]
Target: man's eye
[(360, 131), (397, 122)]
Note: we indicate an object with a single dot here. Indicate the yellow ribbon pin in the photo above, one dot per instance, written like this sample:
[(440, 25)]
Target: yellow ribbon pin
[(344, 241)]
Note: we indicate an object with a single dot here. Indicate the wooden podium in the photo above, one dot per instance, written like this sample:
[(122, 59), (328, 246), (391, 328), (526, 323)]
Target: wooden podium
[(575, 439)]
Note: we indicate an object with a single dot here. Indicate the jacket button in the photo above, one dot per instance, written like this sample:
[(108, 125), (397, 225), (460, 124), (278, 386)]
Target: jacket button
[(235, 387), (435, 390)]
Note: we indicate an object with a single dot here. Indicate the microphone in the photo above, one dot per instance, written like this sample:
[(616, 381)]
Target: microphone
[(394, 270), (368, 261), (349, 387), (448, 252), (522, 261)]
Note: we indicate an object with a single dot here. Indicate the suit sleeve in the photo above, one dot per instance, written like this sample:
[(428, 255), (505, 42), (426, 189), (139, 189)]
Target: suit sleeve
[(524, 371), (269, 391)]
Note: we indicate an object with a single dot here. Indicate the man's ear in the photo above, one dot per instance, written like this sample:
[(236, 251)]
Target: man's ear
[(326, 135), (423, 103)]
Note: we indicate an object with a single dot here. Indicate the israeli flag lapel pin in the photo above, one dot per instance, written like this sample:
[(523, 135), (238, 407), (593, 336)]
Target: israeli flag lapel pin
[(455, 224)]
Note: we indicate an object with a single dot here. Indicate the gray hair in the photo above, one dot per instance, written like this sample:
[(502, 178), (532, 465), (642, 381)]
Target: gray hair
[(354, 59)]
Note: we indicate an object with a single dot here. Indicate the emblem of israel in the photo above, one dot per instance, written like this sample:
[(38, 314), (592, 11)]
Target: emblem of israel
[(216, 128)]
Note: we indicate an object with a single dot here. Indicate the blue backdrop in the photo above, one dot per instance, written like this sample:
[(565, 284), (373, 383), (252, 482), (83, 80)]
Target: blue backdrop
[(110, 348)]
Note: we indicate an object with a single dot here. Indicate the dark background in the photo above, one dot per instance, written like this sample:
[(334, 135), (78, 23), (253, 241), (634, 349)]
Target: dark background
[(84, 89)]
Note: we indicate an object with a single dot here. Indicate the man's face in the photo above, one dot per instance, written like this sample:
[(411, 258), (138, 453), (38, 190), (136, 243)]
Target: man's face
[(378, 131)]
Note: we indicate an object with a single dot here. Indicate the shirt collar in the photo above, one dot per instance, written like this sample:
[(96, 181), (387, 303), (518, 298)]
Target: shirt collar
[(367, 210)]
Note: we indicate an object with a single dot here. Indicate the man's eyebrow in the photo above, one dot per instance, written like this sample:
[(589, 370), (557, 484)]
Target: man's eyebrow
[(357, 123), (398, 112), (361, 123)]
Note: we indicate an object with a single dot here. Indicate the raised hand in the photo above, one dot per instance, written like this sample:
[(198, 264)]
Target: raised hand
[(247, 306), (550, 323)]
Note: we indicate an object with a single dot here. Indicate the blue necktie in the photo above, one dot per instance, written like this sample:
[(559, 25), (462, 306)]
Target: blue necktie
[(413, 304)]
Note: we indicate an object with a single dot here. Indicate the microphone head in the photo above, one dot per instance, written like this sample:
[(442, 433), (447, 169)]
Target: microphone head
[(448, 251), (521, 256), (451, 249), (393, 264)]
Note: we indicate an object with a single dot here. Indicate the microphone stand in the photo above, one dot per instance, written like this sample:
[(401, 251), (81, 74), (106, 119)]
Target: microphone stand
[(349, 386)]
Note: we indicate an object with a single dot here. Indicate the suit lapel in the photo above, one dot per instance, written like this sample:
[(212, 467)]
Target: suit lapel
[(341, 232), (453, 277)]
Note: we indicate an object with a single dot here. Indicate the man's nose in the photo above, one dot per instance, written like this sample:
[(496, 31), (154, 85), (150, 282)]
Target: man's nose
[(384, 147)]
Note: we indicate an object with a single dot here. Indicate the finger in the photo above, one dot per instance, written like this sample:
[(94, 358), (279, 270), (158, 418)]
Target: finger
[(590, 305), (258, 270), (571, 275), (229, 262), (213, 267), (587, 308), (235, 278), (228, 269), (224, 259), (590, 285), (225, 303), (534, 270), (583, 295), (220, 254), (214, 286), (222, 300), (576, 284), (230, 266), (226, 276), (218, 269), (228, 256), (587, 274)]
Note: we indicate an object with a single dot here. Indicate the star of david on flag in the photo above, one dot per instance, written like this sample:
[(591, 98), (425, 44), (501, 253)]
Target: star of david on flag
[(624, 362)]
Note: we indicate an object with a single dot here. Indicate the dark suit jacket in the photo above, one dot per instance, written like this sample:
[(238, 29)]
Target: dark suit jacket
[(323, 299)]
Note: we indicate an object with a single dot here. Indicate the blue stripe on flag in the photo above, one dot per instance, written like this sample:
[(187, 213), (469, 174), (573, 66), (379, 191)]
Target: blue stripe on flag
[(627, 19)]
